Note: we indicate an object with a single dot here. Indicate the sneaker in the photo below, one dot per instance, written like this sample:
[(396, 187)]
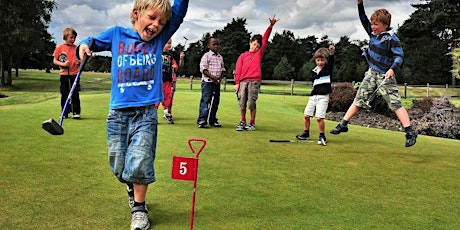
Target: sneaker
[(202, 125), (241, 126), (303, 136), (411, 138), (140, 218), (339, 129), (250, 127), (322, 141), (216, 124), (76, 116), (170, 119), (130, 190)]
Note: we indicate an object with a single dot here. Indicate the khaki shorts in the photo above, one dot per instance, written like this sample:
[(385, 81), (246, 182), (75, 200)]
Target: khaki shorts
[(248, 94), (317, 106), (389, 90)]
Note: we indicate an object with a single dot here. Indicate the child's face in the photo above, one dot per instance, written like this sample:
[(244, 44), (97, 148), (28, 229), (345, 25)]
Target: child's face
[(70, 39), (254, 46), (149, 23), (320, 62), (378, 27), (214, 45), (168, 46)]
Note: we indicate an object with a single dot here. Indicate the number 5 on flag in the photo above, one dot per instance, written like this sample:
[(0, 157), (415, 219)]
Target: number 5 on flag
[(184, 168)]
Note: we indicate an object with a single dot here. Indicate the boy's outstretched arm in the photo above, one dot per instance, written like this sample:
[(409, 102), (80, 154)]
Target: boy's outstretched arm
[(273, 21)]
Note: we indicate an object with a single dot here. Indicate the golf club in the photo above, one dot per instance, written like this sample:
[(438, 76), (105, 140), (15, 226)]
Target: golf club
[(368, 101), (291, 141), (210, 107), (185, 43), (51, 125)]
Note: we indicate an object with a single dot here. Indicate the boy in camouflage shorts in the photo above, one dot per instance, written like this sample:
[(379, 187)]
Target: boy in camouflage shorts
[(384, 56)]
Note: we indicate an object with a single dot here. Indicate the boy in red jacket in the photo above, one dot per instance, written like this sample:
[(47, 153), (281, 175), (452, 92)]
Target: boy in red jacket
[(248, 75)]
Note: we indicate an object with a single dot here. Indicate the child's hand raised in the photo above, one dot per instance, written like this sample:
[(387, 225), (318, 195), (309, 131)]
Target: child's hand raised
[(273, 20)]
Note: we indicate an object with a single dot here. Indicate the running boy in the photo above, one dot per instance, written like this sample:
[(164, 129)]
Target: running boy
[(65, 58), (212, 69), (136, 87), (248, 75), (384, 56), (319, 99)]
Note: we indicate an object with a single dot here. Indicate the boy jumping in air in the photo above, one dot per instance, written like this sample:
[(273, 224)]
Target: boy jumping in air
[(319, 98), (132, 121), (384, 56)]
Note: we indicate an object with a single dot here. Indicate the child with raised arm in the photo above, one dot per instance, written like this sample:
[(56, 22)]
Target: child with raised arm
[(136, 87), (319, 99), (170, 68), (248, 75), (384, 56)]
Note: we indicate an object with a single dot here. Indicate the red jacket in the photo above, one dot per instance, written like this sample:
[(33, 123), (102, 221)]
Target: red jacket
[(248, 64)]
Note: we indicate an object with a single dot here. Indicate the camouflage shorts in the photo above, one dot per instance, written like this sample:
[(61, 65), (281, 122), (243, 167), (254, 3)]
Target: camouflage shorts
[(248, 93), (389, 90)]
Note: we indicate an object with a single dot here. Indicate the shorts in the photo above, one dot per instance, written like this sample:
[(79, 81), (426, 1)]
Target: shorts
[(248, 93), (132, 139), (389, 90), (318, 104)]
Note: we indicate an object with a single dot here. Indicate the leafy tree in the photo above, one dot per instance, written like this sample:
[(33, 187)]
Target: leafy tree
[(431, 31), (284, 70), (24, 33)]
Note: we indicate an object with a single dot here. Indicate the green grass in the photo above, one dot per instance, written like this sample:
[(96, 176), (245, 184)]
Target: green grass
[(364, 179)]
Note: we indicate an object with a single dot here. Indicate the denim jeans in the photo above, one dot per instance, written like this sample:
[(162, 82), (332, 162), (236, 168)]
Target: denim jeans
[(208, 89), (132, 139)]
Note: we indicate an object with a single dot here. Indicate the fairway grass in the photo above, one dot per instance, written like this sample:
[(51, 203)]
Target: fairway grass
[(363, 179)]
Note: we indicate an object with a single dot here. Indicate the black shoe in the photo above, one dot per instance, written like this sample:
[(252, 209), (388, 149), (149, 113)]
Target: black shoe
[(76, 116), (169, 118), (216, 124), (202, 125), (411, 138), (339, 129), (303, 136)]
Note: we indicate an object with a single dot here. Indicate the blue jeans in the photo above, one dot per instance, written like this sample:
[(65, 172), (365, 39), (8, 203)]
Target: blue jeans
[(208, 89), (132, 139)]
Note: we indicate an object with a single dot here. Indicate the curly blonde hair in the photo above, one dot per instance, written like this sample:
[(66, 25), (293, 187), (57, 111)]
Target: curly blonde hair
[(161, 6)]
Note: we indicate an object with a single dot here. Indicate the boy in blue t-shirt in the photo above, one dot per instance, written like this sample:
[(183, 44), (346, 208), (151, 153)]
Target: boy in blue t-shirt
[(136, 87)]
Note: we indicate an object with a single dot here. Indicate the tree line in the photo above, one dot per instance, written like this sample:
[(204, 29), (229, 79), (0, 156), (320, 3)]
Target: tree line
[(429, 39)]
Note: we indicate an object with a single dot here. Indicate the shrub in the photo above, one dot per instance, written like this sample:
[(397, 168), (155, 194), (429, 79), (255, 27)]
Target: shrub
[(342, 97), (442, 120)]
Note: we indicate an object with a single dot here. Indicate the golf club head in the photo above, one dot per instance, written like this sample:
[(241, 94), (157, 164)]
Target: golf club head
[(367, 105), (52, 127)]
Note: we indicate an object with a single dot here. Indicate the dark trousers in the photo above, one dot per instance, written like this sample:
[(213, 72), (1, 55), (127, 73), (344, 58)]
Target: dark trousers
[(66, 84), (208, 90)]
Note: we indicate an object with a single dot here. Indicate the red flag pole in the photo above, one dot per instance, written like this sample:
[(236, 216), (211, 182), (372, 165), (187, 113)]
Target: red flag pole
[(196, 174)]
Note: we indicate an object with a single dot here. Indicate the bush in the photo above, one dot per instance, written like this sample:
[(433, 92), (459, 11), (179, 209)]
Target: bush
[(380, 106), (441, 120), (342, 97)]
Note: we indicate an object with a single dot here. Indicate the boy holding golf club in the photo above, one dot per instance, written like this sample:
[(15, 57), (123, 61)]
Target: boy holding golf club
[(212, 69), (248, 75), (65, 58), (136, 73), (384, 56), (319, 99)]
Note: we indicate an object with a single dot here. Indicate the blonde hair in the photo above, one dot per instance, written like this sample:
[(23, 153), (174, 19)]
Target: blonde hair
[(68, 31), (382, 16), (161, 6), (322, 53)]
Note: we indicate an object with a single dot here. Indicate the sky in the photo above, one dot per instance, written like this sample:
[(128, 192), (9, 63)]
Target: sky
[(335, 18)]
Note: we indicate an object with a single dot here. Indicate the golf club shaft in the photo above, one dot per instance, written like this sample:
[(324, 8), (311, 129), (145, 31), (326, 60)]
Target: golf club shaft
[(376, 90)]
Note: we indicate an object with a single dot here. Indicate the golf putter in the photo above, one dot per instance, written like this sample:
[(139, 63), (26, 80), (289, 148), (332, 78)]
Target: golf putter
[(51, 125), (210, 107), (368, 101)]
